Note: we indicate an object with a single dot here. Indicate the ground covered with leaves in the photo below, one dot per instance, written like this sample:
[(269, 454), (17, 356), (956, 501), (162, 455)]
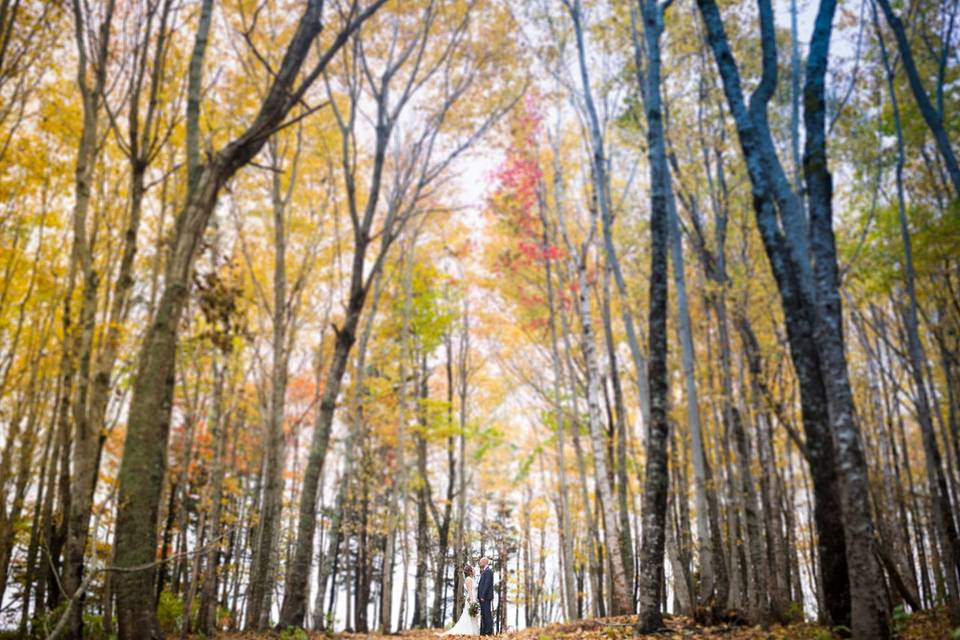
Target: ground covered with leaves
[(927, 625)]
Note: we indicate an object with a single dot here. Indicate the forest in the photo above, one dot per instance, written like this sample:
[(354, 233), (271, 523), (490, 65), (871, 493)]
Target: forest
[(308, 305)]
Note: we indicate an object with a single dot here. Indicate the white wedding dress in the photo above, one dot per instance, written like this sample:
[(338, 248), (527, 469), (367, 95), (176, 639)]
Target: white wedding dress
[(466, 625)]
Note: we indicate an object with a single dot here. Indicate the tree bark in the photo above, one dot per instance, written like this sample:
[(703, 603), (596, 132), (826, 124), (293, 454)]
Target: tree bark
[(86, 439), (443, 524), (420, 617), (707, 595), (566, 532), (263, 572), (656, 479), (869, 617), (399, 484), (620, 600), (207, 615)]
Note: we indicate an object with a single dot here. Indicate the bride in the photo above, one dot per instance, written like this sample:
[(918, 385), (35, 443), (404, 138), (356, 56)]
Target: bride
[(466, 625)]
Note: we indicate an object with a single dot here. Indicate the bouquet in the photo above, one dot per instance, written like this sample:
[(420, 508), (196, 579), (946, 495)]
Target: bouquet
[(474, 609)]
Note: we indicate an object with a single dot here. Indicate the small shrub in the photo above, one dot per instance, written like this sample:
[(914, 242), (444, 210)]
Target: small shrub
[(44, 623), (293, 633), (900, 618), (223, 617), (93, 628), (794, 613), (170, 612)]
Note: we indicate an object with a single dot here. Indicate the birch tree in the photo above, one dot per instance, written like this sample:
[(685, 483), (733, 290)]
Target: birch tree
[(656, 477)]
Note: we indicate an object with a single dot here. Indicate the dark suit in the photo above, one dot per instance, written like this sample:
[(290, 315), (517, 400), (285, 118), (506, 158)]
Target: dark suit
[(485, 597)]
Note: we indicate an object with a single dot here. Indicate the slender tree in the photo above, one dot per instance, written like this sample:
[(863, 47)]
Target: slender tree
[(656, 472)]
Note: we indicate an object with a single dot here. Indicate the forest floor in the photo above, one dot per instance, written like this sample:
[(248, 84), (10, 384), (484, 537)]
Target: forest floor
[(927, 625)]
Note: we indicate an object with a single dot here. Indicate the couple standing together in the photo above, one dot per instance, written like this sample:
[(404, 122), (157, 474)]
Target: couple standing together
[(482, 595)]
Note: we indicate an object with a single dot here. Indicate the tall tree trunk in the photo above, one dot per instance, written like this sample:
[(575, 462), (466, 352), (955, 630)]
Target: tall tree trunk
[(776, 558), (207, 615), (293, 610), (656, 479), (358, 438), (869, 617), (193, 577), (620, 600), (463, 392), (420, 614), (573, 391), (443, 524), (263, 571), (566, 532), (394, 513), (678, 553), (44, 491), (601, 186), (708, 595), (757, 573), (166, 538), (86, 440), (619, 437), (181, 497)]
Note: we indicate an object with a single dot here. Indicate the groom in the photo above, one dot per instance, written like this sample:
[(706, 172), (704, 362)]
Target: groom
[(485, 597)]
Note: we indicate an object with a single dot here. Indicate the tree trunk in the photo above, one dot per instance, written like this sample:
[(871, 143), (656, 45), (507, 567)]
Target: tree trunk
[(386, 616), (463, 390), (656, 479), (44, 493), (420, 614), (181, 497), (619, 438), (757, 571), (573, 391), (263, 571), (566, 532), (207, 616), (443, 526), (708, 595), (620, 600), (86, 441), (776, 559), (679, 556), (295, 593), (868, 616)]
